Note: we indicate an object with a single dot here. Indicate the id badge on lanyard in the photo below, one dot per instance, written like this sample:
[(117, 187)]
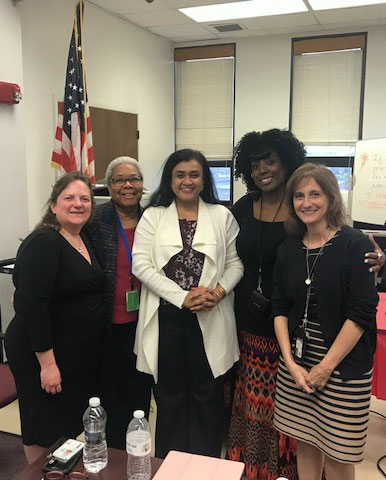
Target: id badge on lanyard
[(301, 338), (302, 335), (132, 298), (132, 294)]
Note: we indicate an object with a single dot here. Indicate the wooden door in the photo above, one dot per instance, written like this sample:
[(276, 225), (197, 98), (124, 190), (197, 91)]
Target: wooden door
[(114, 134)]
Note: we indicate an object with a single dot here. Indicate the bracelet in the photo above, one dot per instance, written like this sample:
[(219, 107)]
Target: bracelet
[(220, 292)]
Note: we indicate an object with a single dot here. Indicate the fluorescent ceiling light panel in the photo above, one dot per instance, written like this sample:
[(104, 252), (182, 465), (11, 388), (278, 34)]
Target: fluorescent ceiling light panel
[(247, 9), (330, 4)]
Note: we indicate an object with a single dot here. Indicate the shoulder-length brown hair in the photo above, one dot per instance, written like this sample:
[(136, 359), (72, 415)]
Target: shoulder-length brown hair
[(49, 218), (336, 213)]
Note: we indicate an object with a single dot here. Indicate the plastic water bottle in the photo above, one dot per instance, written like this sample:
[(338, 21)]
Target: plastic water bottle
[(138, 446), (95, 447)]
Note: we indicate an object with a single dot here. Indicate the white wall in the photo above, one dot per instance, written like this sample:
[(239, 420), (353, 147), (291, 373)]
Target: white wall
[(13, 184), (127, 69)]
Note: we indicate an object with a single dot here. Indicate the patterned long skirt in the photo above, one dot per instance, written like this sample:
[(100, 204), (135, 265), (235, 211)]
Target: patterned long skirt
[(267, 454)]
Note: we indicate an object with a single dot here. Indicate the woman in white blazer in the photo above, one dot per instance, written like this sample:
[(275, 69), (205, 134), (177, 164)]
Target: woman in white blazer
[(185, 256)]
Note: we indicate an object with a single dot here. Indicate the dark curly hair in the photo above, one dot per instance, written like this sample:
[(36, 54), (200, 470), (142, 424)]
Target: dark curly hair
[(259, 145)]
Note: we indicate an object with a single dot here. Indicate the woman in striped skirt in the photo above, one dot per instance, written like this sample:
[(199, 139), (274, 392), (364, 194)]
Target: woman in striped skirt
[(324, 305)]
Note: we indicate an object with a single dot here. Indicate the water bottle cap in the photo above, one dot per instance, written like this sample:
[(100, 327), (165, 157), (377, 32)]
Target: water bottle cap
[(94, 402), (139, 414)]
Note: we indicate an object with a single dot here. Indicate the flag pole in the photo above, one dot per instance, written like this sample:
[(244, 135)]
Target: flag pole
[(84, 87)]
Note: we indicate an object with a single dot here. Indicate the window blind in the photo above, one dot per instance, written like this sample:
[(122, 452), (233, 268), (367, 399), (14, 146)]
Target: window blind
[(326, 97), (204, 106)]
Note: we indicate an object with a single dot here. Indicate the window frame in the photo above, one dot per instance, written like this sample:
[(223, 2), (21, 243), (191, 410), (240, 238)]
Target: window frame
[(294, 40), (202, 52)]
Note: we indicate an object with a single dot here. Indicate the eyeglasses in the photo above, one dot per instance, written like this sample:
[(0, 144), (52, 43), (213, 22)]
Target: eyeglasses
[(58, 475), (120, 181)]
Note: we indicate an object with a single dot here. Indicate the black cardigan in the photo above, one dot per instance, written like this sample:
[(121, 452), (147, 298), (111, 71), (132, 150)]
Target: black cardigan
[(344, 288), (102, 231)]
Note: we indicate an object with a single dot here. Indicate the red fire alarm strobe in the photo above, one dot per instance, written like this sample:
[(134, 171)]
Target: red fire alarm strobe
[(10, 93)]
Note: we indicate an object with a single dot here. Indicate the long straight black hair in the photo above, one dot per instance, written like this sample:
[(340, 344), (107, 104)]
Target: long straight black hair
[(164, 194)]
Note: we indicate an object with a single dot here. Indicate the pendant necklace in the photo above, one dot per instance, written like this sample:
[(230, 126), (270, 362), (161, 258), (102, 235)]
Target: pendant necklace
[(79, 248), (310, 271)]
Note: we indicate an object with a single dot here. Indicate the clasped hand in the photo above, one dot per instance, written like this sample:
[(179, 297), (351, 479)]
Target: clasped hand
[(310, 381), (201, 299)]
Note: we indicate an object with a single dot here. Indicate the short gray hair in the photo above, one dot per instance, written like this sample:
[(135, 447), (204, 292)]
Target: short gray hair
[(119, 161)]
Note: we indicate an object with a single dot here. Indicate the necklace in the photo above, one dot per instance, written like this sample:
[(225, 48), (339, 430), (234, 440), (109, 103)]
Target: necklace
[(71, 241), (310, 271)]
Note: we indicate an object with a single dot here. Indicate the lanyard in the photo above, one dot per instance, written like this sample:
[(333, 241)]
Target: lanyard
[(305, 316), (125, 242)]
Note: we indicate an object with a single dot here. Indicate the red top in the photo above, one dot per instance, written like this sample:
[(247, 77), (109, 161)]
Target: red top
[(122, 281)]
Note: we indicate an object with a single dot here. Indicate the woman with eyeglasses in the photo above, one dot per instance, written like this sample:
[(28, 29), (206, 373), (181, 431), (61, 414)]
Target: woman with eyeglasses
[(185, 255), (111, 232)]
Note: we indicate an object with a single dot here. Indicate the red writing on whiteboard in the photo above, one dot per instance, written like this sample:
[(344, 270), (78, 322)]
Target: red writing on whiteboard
[(364, 157), (372, 204)]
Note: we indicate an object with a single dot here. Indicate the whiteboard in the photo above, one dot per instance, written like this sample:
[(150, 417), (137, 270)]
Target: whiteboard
[(369, 182)]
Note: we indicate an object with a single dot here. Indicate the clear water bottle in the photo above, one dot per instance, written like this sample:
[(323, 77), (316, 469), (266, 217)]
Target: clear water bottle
[(95, 447), (138, 446)]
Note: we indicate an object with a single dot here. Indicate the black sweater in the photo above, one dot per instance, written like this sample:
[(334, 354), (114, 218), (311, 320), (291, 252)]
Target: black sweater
[(102, 231), (344, 288)]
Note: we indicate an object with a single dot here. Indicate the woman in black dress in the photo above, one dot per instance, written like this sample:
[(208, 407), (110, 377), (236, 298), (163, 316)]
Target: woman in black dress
[(55, 340)]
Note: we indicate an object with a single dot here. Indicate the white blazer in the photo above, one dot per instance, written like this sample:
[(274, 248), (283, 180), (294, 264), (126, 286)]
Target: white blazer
[(157, 240)]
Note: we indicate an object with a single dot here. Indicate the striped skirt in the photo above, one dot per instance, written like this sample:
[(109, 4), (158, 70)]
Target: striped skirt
[(334, 420)]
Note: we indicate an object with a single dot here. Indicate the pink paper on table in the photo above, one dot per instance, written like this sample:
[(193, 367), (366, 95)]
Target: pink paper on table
[(186, 466)]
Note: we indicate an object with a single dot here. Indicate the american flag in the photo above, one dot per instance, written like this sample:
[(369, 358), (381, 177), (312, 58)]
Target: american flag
[(73, 148)]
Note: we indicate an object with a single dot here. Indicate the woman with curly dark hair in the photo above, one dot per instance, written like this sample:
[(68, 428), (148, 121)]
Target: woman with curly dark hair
[(264, 161)]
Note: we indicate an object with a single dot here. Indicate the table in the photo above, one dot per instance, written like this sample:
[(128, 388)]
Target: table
[(379, 369), (115, 470)]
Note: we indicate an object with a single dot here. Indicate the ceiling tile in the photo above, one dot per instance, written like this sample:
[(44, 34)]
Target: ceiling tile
[(287, 21), (243, 33), (311, 28), (196, 3), (132, 6), (194, 38), (164, 17), (180, 30), (353, 23), (246, 23), (347, 14)]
